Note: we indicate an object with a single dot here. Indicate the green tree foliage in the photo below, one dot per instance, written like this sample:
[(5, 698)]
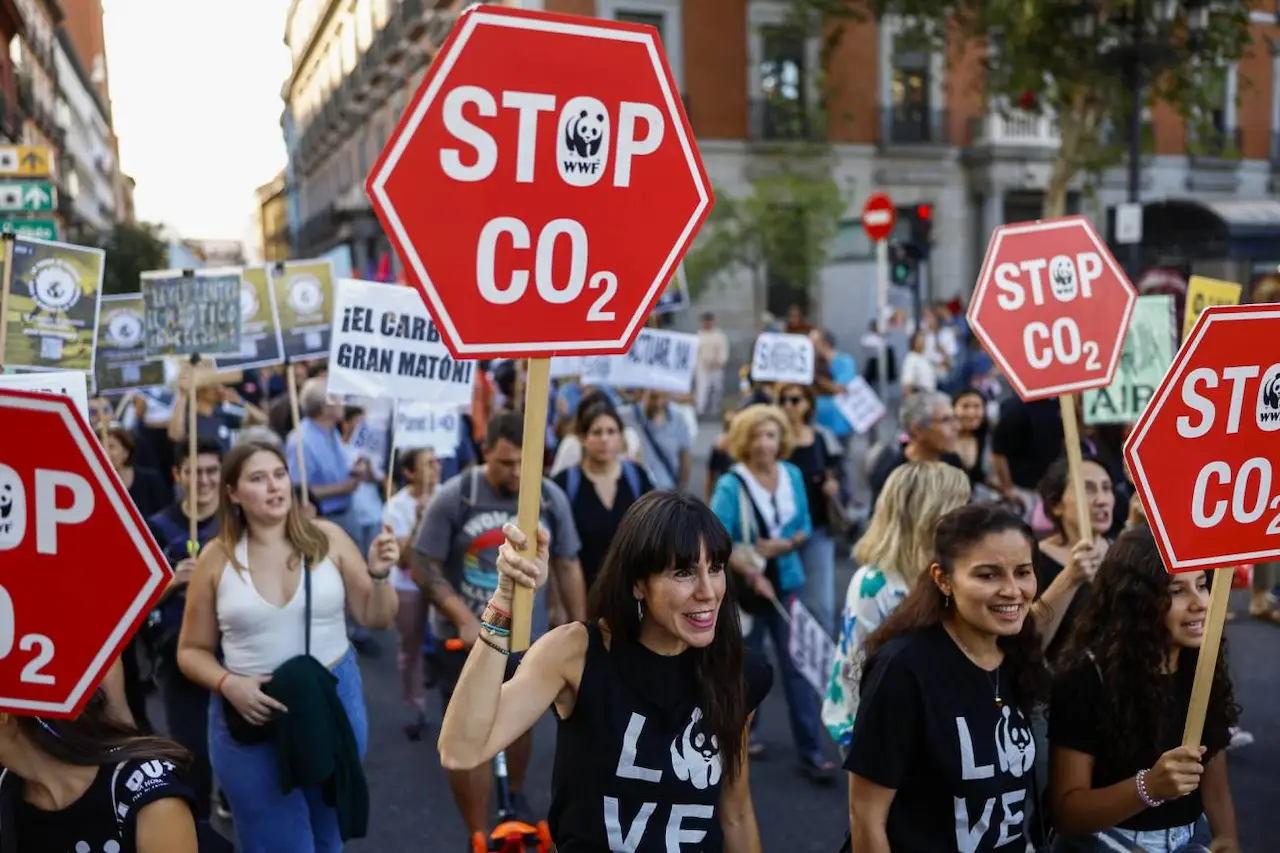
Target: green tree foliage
[(1064, 58), (784, 226), (132, 250)]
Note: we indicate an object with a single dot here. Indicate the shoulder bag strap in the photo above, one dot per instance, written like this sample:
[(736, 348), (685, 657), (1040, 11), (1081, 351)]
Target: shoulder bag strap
[(743, 510), (657, 449), (306, 581)]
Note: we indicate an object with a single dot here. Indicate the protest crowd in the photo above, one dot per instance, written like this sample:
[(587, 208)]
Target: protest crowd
[(662, 618)]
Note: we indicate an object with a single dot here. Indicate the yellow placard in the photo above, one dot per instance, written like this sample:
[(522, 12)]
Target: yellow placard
[(25, 161), (1203, 292)]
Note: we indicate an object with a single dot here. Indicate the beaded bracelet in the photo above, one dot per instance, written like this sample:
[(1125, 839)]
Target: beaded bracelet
[(496, 630), (497, 648), (1150, 801)]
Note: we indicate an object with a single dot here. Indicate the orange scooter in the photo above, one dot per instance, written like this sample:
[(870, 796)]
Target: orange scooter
[(509, 835)]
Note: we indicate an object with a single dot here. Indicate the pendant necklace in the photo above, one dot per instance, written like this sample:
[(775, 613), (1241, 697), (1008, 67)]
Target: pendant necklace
[(995, 682)]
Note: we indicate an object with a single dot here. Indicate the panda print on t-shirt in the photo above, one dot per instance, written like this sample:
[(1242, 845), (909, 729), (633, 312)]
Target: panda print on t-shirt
[(1015, 753)]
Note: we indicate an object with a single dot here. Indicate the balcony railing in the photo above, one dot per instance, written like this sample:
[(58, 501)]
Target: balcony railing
[(1015, 129), (1215, 144), (901, 125), (783, 120)]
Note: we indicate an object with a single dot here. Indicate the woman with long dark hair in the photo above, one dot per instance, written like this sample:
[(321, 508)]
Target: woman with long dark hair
[(1120, 776), (92, 783), (653, 696), (942, 756), (272, 590)]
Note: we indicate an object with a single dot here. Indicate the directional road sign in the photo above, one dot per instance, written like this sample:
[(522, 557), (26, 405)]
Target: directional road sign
[(28, 196), (25, 161)]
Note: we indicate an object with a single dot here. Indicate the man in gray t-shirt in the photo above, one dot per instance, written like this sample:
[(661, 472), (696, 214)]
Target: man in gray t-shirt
[(455, 563)]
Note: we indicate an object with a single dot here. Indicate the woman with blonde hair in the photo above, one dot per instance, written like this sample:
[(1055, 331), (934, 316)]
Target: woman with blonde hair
[(763, 505), (896, 549), (287, 721)]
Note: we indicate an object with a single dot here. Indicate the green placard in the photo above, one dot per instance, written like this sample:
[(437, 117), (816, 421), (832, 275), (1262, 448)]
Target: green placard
[(28, 197), (1148, 352), (41, 229)]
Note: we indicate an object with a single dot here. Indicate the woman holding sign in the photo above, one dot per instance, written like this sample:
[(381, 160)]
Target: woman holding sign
[(1120, 777), (653, 698)]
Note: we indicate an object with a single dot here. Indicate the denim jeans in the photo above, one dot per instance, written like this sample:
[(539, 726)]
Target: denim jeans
[(819, 558), (802, 702), (1194, 838), (266, 820)]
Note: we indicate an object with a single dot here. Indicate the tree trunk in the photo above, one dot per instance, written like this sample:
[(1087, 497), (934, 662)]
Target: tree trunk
[(1071, 126)]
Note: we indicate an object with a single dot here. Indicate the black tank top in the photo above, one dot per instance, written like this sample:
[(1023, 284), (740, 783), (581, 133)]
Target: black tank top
[(635, 769)]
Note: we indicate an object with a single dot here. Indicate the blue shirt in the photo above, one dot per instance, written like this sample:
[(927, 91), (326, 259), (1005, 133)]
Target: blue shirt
[(326, 462), (827, 414)]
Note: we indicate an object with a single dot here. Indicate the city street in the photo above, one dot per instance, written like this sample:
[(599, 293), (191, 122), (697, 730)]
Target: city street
[(413, 808)]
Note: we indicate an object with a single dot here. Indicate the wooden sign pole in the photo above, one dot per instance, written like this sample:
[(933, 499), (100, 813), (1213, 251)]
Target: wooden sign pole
[(1207, 660), (391, 459), (6, 284), (1075, 465), (193, 421), (536, 391)]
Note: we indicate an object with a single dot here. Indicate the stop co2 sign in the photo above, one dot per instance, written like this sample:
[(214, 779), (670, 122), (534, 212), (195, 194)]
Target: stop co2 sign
[(1204, 452), (543, 185), (1052, 307)]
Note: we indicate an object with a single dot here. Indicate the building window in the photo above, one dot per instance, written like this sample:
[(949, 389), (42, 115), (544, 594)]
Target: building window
[(663, 15), (1218, 135), (909, 91), (782, 109)]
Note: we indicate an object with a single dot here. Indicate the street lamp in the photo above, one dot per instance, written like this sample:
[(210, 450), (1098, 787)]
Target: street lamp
[(1142, 41)]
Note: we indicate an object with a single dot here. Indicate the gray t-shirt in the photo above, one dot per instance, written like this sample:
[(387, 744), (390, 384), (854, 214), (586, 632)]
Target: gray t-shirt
[(462, 529)]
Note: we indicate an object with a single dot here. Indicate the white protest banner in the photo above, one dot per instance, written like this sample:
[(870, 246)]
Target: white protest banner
[(65, 383), (427, 425), (565, 366), (659, 360), (812, 650), (860, 405), (384, 344), (782, 358)]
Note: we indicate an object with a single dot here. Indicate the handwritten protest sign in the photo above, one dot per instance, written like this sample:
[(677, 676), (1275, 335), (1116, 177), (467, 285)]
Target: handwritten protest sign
[(427, 425), (860, 405), (659, 360), (303, 294), (65, 383), (260, 341), (1203, 292), (782, 358), (565, 366), (196, 313), (121, 361), (54, 300), (384, 344), (1148, 352)]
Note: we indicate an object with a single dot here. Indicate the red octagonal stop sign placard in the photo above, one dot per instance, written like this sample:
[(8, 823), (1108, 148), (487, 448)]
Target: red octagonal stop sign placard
[(1204, 453), (543, 185), (79, 570), (1052, 307)]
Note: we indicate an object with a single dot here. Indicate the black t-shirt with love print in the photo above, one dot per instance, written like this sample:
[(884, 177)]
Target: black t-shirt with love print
[(930, 728), (635, 768)]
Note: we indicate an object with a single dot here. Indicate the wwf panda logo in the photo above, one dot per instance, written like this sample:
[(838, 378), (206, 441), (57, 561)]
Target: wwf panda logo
[(1268, 408), (695, 754), (1062, 279), (582, 146), (13, 509)]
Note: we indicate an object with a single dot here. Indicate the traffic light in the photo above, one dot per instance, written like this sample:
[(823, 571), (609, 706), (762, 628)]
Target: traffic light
[(922, 227), (904, 264)]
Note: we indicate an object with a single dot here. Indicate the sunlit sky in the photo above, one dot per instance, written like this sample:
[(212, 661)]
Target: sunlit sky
[(195, 90)]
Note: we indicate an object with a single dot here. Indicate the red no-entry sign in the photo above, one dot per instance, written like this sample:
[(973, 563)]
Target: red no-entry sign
[(878, 217)]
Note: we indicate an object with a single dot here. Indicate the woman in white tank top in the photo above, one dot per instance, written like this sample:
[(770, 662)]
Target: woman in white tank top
[(247, 594)]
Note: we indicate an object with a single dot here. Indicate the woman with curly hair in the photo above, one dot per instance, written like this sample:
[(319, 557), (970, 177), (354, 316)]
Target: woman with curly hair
[(942, 755), (1120, 776)]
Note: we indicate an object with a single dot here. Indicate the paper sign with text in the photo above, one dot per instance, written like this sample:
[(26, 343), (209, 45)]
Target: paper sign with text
[(812, 651), (121, 363), (1203, 292), (303, 295), (1148, 352), (51, 315), (384, 344), (66, 383), (860, 405), (659, 360), (565, 366), (191, 314), (782, 358), (427, 425), (260, 342)]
